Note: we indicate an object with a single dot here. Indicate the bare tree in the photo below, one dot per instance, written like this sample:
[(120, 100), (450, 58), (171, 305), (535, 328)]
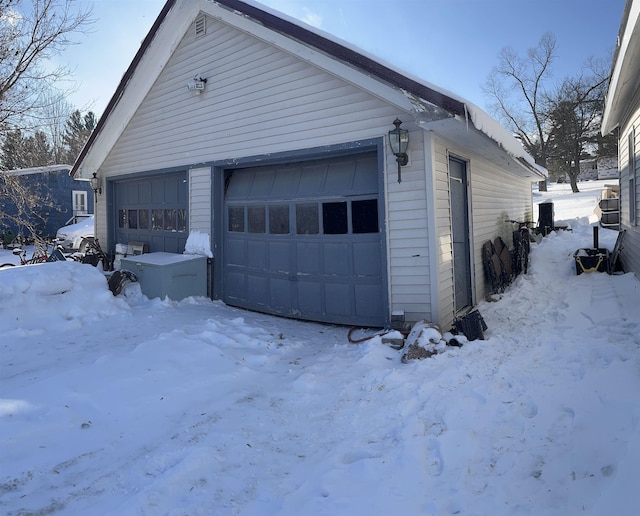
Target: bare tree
[(31, 32), (25, 203), (576, 111), (518, 92), (55, 113)]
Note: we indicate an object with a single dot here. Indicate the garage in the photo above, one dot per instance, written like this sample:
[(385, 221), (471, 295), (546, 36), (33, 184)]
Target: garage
[(305, 240), (152, 210)]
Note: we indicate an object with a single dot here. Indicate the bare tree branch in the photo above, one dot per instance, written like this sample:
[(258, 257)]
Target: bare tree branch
[(31, 33)]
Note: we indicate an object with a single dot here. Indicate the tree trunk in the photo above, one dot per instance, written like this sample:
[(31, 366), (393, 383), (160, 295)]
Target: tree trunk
[(574, 183), (574, 172)]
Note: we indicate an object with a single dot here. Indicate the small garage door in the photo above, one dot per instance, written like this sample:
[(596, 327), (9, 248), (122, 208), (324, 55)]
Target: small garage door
[(152, 210), (304, 240)]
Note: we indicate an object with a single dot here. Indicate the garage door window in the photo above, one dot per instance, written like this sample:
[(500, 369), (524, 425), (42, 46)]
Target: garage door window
[(257, 220), (307, 219), (169, 220), (236, 218), (364, 216), (156, 219), (143, 219), (279, 219), (334, 218)]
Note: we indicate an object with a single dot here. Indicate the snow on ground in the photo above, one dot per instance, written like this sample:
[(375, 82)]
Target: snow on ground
[(131, 406)]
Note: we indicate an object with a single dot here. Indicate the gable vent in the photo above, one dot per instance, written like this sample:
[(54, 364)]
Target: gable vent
[(201, 25)]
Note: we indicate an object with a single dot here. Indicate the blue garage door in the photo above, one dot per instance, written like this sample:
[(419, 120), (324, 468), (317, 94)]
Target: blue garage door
[(304, 240), (153, 210)]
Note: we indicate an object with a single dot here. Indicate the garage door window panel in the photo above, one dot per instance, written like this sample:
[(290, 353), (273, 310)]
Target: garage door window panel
[(307, 219), (334, 218), (170, 217), (279, 219), (181, 219), (143, 219), (156, 219), (132, 217), (122, 219), (257, 219), (236, 219), (364, 216)]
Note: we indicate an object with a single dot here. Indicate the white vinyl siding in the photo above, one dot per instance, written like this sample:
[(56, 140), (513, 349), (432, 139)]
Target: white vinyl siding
[(408, 233), (495, 197), (200, 200), (258, 100), (630, 254)]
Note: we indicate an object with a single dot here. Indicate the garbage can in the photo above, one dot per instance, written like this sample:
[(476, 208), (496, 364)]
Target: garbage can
[(545, 217)]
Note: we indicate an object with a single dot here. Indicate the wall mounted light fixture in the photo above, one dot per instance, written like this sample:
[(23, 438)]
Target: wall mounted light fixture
[(399, 141), (197, 84), (96, 185)]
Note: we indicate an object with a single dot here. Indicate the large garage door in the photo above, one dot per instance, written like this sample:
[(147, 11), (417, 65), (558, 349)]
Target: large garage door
[(153, 210), (303, 240)]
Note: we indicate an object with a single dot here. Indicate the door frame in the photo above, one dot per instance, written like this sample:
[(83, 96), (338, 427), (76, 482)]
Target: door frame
[(466, 220)]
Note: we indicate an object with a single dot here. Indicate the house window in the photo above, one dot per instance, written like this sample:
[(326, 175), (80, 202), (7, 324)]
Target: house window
[(632, 178), (79, 202)]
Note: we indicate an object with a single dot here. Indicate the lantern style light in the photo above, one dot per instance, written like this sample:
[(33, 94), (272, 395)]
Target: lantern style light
[(399, 141), (96, 184)]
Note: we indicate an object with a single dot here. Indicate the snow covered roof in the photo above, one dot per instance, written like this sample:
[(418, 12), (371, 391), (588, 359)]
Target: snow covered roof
[(624, 82), (428, 102), (38, 170)]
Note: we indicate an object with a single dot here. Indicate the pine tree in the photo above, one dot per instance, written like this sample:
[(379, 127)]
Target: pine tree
[(12, 151), (37, 150), (77, 132)]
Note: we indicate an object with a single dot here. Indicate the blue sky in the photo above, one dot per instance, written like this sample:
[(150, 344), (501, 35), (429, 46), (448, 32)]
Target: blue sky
[(452, 44)]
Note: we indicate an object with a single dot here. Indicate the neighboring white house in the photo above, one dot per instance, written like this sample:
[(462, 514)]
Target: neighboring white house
[(598, 168), (272, 138), (622, 111)]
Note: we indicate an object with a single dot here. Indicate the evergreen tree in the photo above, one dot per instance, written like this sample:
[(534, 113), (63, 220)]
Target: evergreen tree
[(76, 133), (37, 150), (12, 151)]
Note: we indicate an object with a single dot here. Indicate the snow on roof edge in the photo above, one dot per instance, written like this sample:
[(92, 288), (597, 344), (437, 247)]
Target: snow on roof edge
[(481, 120), (497, 132)]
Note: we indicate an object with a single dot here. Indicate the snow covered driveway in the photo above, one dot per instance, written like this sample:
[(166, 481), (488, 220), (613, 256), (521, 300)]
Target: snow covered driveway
[(128, 406)]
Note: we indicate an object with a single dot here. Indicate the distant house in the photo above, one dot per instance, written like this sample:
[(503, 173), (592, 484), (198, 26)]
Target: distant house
[(622, 111), (68, 198), (272, 139), (598, 168), (607, 167)]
